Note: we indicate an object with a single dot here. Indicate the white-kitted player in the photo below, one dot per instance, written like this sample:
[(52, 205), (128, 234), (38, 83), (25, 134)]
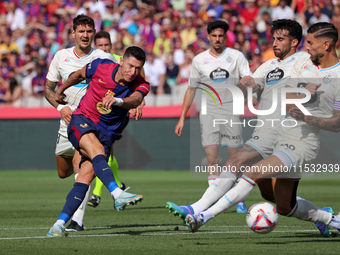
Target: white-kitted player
[(214, 71), (298, 143), (64, 63)]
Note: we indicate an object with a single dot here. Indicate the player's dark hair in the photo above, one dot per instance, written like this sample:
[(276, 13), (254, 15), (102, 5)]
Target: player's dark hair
[(102, 34), (294, 28), (82, 19), (135, 52), (324, 29), (218, 24)]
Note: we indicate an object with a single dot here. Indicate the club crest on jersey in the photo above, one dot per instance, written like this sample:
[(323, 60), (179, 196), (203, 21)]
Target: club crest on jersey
[(110, 93), (219, 75), (229, 59), (274, 76), (84, 125)]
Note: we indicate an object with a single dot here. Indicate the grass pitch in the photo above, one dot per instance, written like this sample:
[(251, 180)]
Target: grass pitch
[(32, 200)]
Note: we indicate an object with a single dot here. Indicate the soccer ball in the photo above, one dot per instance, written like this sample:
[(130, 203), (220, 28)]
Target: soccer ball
[(262, 217)]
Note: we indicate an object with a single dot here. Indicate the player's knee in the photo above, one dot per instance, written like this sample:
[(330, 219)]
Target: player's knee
[(268, 197), (64, 173), (283, 210)]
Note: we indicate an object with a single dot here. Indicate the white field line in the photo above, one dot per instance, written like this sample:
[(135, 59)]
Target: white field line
[(174, 233)]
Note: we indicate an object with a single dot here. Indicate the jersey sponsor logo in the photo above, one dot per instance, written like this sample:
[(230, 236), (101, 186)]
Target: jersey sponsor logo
[(288, 146), (274, 76), (231, 137), (101, 109), (219, 75), (84, 125), (100, 80)]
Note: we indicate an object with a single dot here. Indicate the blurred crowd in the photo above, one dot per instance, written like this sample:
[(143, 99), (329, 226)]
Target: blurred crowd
[(171, 32)]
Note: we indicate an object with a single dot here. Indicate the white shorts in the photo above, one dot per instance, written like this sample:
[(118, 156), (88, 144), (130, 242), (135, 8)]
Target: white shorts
[(264, 140), (294, 153), (221, 133), (64, 148)]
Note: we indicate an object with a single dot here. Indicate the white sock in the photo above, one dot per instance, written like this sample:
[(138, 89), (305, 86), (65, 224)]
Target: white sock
[(59, 222), (215, 191), (116, 193), (198, 206), (206, 215), (78, 215), (233, 196), (307, 211), (212, 178), (335, 222)]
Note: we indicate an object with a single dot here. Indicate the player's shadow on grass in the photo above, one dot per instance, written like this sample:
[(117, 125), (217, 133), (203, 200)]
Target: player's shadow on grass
[(135, 207), (152, 228), (131, 226)]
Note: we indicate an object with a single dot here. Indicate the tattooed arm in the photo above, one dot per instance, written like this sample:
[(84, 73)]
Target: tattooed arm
[(66, 112), (50, 94), (330, 124)]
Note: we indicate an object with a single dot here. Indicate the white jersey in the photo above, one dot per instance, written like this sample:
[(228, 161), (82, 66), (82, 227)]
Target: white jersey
[(209, 71), (320, 105), (273, 75), (65, 63)]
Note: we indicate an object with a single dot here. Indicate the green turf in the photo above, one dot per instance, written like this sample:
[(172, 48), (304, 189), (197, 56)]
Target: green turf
[(32, 200)]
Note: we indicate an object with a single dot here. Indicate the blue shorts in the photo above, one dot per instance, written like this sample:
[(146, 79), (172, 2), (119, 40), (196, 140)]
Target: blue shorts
[(79, 125)]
